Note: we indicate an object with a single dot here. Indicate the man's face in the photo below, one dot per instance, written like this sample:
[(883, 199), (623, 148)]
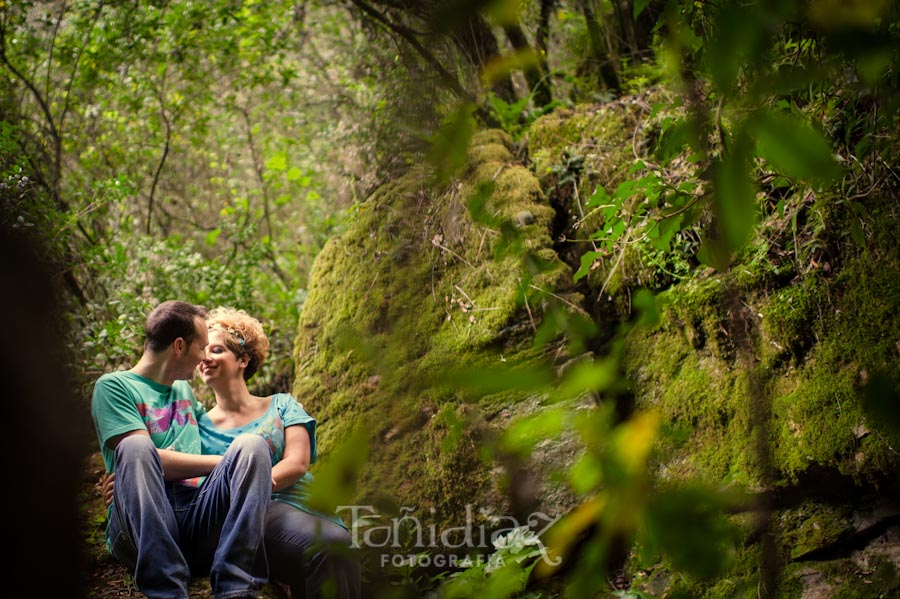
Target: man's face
[(196, 351)]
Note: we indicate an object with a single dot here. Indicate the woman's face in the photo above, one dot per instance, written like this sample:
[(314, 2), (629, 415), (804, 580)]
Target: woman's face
[(220, 363)]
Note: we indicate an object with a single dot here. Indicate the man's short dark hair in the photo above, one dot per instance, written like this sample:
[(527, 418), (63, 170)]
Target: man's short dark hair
[(169, 321)]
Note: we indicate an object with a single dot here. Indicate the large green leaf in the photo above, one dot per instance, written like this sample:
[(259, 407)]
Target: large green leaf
[(450, 144), (793, 147), (734, 195), (740, 39)]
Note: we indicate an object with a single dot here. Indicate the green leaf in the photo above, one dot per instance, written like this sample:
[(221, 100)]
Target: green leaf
[(524, 434), (740, 40), (690, 526), (639, 6), (860, 209), (212, 236), (589, 376), (500, 67), (278, 162), (794, 148), (674, 139), (451, 143), (734, 196), (598, 198), (645, 303), (294, 174), (633, 594), (665, 230), (586, 474), (587, 260), (713, 253), (881, 401), (477, 204), (856, 232), (335, 481)]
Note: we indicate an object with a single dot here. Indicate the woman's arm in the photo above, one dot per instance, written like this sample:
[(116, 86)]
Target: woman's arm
[(295, 461), (176, 465), (179, 466)]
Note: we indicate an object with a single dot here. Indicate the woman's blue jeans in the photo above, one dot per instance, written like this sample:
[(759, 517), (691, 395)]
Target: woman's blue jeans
[(166, 532), (311, 554)]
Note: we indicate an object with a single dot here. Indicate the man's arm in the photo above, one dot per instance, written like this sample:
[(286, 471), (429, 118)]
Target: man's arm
[(176, 465)]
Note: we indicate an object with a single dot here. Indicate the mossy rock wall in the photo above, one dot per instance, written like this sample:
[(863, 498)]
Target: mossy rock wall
[(761, 373), (410, 290)]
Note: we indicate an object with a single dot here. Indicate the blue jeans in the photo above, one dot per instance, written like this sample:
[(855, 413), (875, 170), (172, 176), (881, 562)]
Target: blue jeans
[(166, 532), (311, 554)]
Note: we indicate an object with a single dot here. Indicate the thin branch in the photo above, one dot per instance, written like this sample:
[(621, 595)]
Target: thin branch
[(65, 102), (258, 169), (407, 34), (562, 299), (56, 26), (162, 160), (54, 133), (451, 252), (530, 315)]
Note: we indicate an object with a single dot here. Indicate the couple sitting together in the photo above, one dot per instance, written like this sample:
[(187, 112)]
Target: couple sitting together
[(219, 493)]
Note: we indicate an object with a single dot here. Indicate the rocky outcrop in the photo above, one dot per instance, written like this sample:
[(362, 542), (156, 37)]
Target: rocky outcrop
[(427, 281), (773, 379)]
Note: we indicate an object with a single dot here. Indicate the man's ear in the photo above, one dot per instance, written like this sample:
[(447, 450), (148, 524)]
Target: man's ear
[(178, 345)]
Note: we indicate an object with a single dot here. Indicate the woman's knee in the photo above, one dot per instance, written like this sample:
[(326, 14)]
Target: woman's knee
[(335, 536), (249, 443), (288, 524)]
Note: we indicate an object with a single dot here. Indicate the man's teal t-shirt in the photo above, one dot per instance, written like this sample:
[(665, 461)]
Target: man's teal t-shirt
[(124, 402), (284, 411)]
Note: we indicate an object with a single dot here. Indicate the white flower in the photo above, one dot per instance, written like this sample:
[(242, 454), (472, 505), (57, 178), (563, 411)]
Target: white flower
[(516, 539)]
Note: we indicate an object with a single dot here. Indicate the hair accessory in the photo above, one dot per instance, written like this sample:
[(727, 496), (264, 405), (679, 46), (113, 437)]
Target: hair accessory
[(234, 334)]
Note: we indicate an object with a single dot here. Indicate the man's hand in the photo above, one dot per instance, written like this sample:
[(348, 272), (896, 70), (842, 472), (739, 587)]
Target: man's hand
[(107, 485)]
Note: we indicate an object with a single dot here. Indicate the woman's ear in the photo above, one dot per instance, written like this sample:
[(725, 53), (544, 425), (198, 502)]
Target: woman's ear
[(244, 361)]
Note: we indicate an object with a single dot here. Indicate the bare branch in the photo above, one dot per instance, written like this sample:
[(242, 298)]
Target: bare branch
[(407, 34)]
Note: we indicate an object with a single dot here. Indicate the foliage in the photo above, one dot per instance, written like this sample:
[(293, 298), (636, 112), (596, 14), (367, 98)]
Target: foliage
[(145, 148), (209, 151)]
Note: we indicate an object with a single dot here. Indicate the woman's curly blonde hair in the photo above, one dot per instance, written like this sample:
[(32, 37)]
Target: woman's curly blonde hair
[(244, 336)]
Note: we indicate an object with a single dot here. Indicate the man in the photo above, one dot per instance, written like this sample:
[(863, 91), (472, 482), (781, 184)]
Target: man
[(166, 521)]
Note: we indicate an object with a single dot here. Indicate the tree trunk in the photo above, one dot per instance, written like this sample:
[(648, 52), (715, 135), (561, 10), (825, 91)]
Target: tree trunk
[(535, 75), (605, 60)]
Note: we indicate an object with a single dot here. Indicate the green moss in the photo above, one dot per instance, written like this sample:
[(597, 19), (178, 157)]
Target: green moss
[(739, 582), (814, 424), (679, 369), (789, 316), (412, 288), (843, 579), (836, 332), (821, 420), (812, 526), (602, 133)]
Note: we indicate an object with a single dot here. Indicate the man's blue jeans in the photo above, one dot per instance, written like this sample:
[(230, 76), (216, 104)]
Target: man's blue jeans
[(166, 532)]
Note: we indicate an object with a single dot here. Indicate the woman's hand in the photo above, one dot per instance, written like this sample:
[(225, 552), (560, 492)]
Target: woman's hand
[(107, 486)]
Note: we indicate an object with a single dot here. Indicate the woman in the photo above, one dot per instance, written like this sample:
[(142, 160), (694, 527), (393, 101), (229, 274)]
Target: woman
[(305, 549)]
